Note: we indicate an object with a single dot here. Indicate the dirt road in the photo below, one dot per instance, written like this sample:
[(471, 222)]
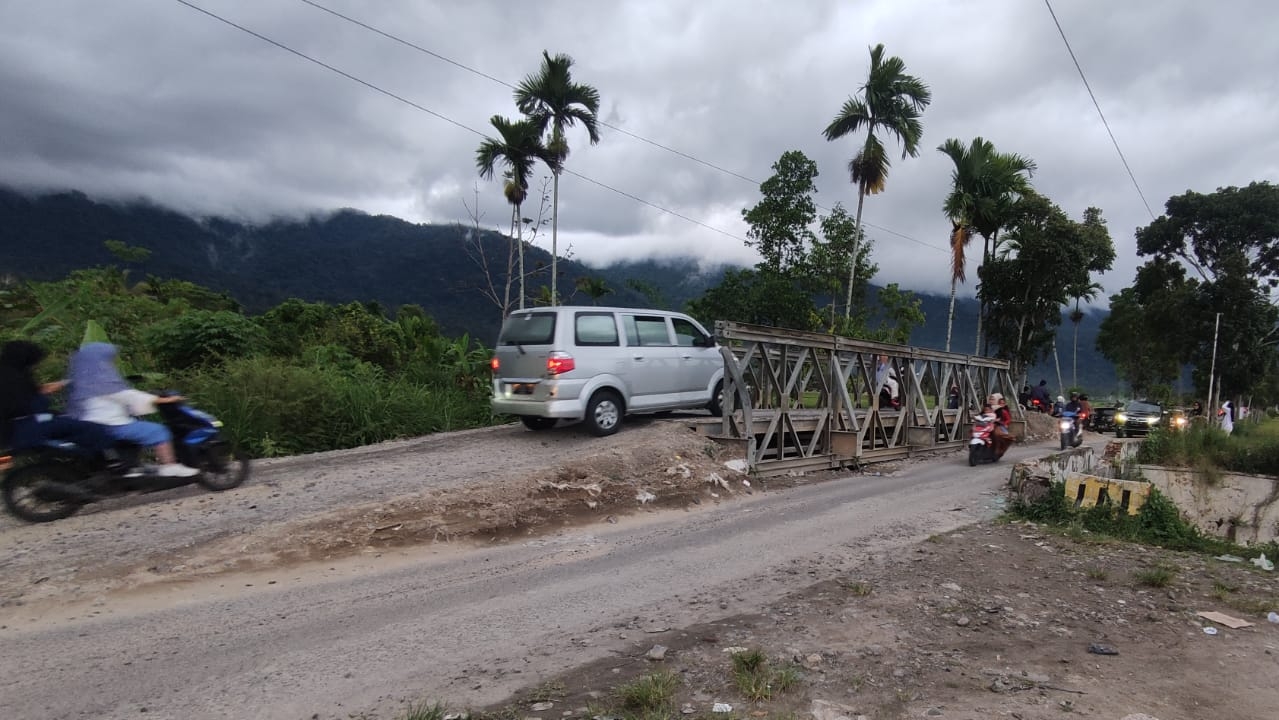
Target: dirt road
[(362, 625)]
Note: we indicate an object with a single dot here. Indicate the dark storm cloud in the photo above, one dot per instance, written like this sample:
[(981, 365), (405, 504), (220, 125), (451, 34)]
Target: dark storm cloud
[(155, 99)]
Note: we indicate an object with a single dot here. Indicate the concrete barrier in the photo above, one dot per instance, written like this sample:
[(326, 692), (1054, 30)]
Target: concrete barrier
[(1241, 508)]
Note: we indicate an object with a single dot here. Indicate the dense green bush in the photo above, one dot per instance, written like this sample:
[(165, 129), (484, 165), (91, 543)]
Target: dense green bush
[(273, 406), (302, 377), (202, 337)]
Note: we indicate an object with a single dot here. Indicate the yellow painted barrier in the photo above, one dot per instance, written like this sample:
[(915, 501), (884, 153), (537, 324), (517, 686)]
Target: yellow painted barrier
[(1089, 491)]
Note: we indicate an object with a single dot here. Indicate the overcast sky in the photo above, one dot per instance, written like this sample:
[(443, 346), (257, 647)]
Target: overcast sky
[(151, 98)]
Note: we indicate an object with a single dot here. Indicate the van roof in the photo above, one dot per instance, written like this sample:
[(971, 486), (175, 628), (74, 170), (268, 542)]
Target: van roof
[(598, 308)]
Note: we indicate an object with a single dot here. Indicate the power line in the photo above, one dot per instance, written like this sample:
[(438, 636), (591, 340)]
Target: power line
[(408, 43), (447, 119), (1097, 105)]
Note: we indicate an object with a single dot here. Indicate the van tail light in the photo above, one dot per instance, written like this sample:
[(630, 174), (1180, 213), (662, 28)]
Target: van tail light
[(558, 363), (495, 364)]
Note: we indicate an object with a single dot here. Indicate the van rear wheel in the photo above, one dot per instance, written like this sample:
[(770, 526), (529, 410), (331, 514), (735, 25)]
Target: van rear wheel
[(533, 422), (604, 413)]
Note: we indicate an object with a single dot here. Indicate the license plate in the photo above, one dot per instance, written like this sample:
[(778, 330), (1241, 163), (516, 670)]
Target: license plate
[(522, 388)]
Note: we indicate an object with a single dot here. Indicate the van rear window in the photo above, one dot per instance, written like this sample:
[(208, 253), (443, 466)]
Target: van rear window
[(536, 328)]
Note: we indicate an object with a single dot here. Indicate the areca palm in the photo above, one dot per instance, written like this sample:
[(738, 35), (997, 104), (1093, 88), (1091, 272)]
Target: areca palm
[(519, 148), (553, 101), (891, 101), (985, 185)]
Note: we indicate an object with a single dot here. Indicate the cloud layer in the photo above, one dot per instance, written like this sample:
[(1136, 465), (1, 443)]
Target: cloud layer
[(152, 98)]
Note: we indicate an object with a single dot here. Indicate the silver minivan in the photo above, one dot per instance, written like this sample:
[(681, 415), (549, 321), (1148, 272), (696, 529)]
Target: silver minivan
[(598, 364)]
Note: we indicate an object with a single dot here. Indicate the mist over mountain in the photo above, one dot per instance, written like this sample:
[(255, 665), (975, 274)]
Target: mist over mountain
[(349, 255)]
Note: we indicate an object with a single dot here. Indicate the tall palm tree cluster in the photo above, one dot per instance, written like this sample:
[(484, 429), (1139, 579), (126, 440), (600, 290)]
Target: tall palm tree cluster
[(550, 102), (986, 184)]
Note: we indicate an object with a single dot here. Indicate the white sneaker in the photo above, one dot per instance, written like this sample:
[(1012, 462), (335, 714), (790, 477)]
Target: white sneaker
[(177, 470)]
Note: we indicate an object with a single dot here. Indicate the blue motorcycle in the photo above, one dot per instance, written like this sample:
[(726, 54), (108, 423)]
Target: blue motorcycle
[(55, 480), (1072, 434)]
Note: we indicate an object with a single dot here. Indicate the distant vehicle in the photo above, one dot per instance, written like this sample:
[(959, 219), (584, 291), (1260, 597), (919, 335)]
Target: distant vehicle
[(1102, 420), (1137, 418), (599, 364), (1176, 419)]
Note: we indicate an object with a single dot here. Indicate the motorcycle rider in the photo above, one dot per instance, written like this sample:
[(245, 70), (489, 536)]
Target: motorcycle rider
[(1003, 418), (1040, 393), (1076, 407), (100, 395), (26, 416)]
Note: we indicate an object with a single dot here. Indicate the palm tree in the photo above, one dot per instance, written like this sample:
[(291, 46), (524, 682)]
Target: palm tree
[(594, 287), (891, 101), (984, 187), (1088, 292), (519, 147), (552, 100)]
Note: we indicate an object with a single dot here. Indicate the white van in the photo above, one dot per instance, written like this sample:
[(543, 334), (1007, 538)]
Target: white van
[(598, 364)]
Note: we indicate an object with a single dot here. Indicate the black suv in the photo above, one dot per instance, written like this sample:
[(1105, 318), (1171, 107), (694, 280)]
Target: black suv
[(1102, 420), (1137, 418)]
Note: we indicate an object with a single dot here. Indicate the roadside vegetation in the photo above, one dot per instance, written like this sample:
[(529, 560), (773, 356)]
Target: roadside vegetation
[(1252, 448), (300, 377), (1158, 522)]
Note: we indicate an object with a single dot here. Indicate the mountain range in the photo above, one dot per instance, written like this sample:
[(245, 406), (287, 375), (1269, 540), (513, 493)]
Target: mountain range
[(349, 255)]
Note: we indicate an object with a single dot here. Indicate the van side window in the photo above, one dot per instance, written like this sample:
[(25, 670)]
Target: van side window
[(687, 334), (647, 331), (595, 329)]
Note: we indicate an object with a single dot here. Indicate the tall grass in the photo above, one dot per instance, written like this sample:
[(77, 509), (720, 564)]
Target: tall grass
[(273, 406), (1252, 448)]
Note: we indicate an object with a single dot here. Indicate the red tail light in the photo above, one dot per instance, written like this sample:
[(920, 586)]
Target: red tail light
[(495, 364), (558, 363)]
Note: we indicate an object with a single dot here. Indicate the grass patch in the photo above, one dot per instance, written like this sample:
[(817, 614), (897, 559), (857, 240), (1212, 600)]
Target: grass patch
[(1096, 573), (1251, 448), (858, 589), (1159, 576), (650, 695), (425, 711), (757, 679), (547, 692)]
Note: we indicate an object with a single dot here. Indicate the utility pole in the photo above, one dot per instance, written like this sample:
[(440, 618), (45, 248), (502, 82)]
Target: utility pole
[(1212, 373)]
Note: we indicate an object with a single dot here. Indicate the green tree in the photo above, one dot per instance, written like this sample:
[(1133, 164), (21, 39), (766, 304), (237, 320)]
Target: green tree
[(1026, 299), (891, 101), (900, 314), (1144, 359), (1230, 240), (594, 288), (519, 148), (985, 185), (760, 297), (779, 222), (554, 102), (828, 267)]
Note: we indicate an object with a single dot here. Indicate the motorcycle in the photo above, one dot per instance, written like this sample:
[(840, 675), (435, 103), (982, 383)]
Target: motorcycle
[(1072, 433), (1038, 405), (981, 448), (54, 481)]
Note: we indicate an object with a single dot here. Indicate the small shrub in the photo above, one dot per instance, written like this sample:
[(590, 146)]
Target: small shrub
[(1158, 576), (433, 711), (1095, 573), (757, 680), (652, 693)]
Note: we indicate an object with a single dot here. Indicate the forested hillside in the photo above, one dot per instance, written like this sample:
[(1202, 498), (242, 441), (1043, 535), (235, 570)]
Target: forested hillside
[(352, 256)]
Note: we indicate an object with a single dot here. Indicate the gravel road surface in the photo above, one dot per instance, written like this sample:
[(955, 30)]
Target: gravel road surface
[(461, 624)]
